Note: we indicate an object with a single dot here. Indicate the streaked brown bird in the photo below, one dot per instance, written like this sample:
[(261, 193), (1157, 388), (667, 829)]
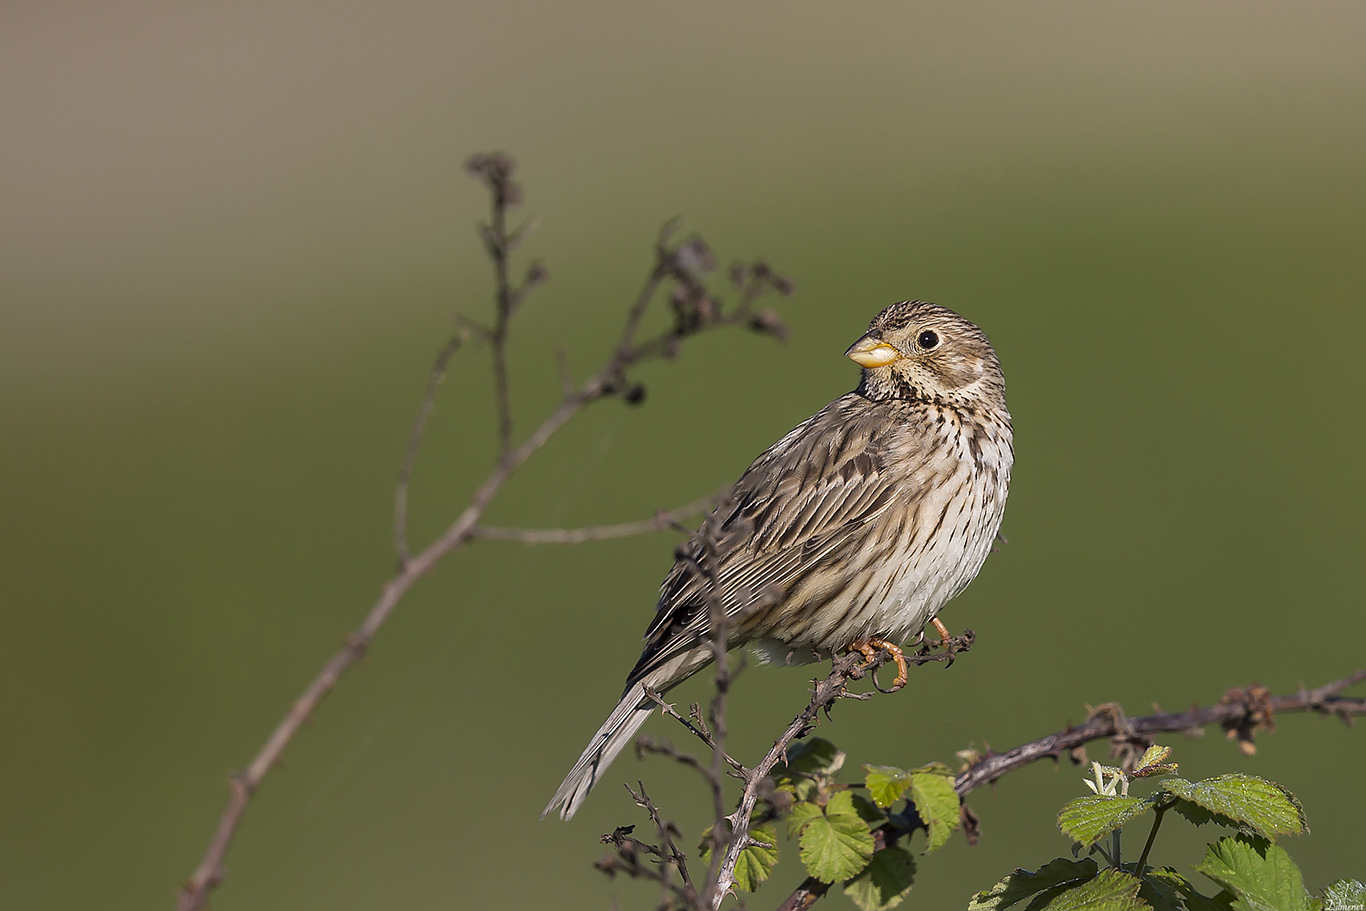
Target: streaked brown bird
[(851, 532)]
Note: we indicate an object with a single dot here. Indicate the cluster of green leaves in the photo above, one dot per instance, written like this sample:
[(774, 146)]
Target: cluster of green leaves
[(1249, 869), (842, 830)]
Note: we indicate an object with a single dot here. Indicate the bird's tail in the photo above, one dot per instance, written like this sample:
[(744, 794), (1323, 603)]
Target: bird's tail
[(618, 730)]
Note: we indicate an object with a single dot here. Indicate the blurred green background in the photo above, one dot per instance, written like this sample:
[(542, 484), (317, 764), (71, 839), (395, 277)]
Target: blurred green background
[(231, 240)]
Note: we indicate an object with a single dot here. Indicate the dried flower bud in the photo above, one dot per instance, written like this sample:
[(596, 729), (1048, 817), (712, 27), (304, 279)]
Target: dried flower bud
[(501, 165), (768, 322), (635, 395), (737, 274), (695, 256), (783, 285), (536, 273)]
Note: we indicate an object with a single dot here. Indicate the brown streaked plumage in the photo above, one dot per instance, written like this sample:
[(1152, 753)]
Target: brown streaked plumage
[(857, 526)]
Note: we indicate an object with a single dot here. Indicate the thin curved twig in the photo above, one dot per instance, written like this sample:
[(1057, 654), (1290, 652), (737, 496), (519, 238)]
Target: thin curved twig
[(663, 520), (424, 412), (672, 263)]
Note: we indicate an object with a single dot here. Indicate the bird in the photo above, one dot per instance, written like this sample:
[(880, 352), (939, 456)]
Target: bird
[(849, 533)]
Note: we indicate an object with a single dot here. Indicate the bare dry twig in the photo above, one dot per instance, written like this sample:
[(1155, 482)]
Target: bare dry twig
[(701, 733), (664, 520), (695, 310), (424, 412)]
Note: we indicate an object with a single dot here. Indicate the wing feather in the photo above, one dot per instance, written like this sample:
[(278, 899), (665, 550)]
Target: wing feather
[(808, 498)]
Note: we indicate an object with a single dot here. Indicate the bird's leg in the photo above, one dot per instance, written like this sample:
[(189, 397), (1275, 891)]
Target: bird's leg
[(869, 649), (943, 631)]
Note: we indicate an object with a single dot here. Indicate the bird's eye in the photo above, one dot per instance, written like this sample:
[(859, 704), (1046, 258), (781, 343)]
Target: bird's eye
[(928, 339)]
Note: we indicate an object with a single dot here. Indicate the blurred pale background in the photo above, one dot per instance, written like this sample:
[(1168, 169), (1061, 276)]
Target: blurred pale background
[(231, 238)]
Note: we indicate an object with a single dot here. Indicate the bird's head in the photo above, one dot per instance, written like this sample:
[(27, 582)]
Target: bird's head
[(918, 350)]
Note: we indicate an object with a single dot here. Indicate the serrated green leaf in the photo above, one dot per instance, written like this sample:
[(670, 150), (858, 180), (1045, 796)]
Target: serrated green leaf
[(1169, 881), (1198, 815), (1111, 890), (841, 803), (1153, 755), (937, 803), (813, 756), (1050, 879), (884, 882), (1223, 901), (868, 811), (836, 846), (1245, 801), (886, 783), (800, 788), (755, 862), (1154, 762), (1086, 820), (1160, 888), (704, 845), (1260, 874), (801, 814)]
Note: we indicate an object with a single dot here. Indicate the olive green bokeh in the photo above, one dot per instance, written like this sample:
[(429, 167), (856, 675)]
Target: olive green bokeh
[(232, 239)]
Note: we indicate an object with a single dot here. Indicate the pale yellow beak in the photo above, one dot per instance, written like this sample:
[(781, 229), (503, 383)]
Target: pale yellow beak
[(871, 351)]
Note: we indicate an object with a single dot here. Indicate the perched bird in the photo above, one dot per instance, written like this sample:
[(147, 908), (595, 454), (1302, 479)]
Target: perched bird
[(851, 532)]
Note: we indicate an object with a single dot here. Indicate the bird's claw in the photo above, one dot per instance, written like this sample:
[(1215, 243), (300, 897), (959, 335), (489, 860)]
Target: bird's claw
[(869, 649)]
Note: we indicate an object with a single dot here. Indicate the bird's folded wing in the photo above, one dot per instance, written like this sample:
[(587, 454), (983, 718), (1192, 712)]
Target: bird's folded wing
[(779, 523)]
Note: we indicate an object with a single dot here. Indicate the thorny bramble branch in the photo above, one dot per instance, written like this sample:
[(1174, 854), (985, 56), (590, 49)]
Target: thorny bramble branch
[(1241, 712), (679, 265), (825, 693)]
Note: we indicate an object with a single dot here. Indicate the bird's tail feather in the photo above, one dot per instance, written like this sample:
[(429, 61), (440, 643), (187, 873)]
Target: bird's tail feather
[(618, 730)]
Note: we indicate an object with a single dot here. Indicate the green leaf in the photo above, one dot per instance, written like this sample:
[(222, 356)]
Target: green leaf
[(1161, 889), (868, 811), (1153, 755), (886, 783), (801, 814), (936, 801), (1111, 890), (1154, 762), (837, 845), (1197, 902), (1088, 819), (814, 756), (1021, 885), (1168, 879), (1244, 801), (1260, 874), (755, 862), (841, 803), (800, 788), (884, 882)]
